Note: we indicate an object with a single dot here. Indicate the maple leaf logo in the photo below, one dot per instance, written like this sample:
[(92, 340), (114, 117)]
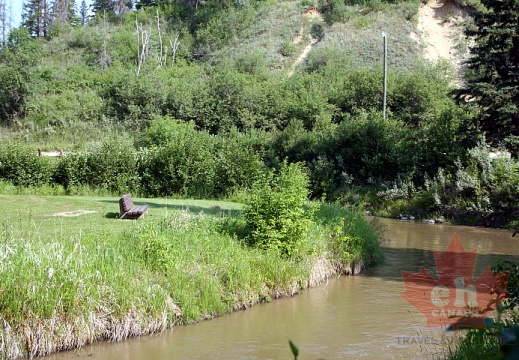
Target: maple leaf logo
[(455, 298)]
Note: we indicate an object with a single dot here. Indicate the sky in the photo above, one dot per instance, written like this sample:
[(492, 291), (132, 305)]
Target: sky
[(17, 9)]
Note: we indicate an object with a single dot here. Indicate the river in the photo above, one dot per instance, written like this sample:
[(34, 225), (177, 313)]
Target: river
[(349, 317)]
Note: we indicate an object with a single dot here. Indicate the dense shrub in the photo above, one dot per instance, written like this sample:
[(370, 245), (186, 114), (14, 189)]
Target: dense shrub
[(221, 27), (111, 165), (72, 170), (132, 100), (369, 149), (237, 165), (23, 167), (182, 165), (481, 189), (61, 109), (182, 160), (18, 58), (274, 211)]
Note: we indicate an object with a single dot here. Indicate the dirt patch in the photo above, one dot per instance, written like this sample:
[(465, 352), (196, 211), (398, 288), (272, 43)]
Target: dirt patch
[(73, 213), (51, 153), (315, 16), (299, 36), (313, 12), (441, 24)]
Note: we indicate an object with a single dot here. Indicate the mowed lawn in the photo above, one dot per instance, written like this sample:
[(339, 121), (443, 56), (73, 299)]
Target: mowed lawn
[(61, 217)]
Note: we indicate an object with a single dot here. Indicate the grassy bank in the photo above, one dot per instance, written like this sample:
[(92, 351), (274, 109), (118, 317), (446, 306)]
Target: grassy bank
[(71, 273)]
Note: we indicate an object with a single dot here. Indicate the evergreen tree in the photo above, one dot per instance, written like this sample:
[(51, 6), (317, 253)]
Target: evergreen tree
[(493, 85), (103, 6), (36, 17), (63, 11), (145, 3), (83, 13)]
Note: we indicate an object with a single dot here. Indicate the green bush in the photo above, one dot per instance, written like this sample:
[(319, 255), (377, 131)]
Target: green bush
[(72, 171), (274, 211), (334, 10), (183, 164), (181, 160), (237, 165), (369, 149), (62, 109), (288, 49), (111, 165), (23, 167), (221, 27)]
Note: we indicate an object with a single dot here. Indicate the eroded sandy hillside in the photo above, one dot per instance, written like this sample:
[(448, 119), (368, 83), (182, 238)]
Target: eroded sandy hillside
[(440, 31)]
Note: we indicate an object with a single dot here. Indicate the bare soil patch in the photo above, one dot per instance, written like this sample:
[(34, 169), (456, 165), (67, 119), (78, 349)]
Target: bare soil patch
[(314, 15), (73, 213), (441, 30)]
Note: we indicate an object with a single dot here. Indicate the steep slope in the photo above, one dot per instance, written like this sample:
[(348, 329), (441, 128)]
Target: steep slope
[(440, 26)]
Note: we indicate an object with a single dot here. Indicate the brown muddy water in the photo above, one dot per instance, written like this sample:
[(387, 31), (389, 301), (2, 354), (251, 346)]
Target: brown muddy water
[(347, 318)]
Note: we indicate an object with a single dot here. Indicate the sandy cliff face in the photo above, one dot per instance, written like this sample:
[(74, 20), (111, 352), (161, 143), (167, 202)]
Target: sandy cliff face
[(440, 25)]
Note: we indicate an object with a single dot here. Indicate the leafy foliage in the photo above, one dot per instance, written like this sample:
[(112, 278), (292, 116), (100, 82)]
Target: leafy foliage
[(21, 166), (274, 210), (110, 165), (181, 160)]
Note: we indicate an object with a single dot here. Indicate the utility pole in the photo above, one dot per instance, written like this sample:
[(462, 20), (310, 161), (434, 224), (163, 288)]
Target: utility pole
[(385, 76)]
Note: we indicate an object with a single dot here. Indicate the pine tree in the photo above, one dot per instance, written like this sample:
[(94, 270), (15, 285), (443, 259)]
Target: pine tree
[(494, 82), (83, 13), (103, 6), (145, 3), (36, 17), (63, 11)]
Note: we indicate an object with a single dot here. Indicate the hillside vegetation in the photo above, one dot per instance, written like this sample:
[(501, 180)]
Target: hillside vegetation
[(260, 82)]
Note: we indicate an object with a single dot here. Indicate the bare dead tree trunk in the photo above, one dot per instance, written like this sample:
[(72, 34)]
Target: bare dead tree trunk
[(174, 47), (61, 11), (160, 39), (143, 45), (160, 51), (104, 58)]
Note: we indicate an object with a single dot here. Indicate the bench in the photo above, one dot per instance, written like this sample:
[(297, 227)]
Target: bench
[(127, 210)]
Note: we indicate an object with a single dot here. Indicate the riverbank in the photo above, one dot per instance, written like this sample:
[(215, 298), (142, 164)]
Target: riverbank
[(72, 274)]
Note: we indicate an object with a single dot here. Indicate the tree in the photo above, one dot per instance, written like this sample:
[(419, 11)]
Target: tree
[(36, 17), (63, 11), (145, 3), (83, 13), (18, 60), (103, 6), (493, 85)]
